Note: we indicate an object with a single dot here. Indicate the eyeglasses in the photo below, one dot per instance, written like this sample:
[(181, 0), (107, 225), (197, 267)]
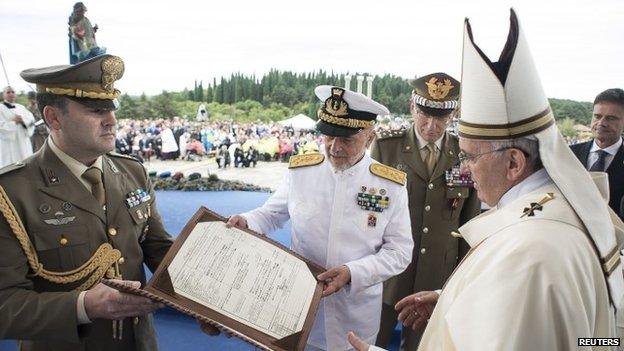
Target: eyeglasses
[(464, 157)]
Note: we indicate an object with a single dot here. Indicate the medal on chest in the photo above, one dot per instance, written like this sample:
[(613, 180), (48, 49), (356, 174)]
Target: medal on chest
[(136, 198), (456, 180), (368, 199)]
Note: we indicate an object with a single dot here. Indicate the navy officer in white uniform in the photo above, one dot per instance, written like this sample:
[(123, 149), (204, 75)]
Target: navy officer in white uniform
[(349, 214)]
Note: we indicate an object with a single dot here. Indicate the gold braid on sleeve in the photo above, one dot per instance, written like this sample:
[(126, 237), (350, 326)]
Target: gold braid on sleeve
[(101, 264)]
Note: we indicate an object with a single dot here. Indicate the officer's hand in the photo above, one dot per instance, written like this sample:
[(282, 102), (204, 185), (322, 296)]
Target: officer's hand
[(416, 309), (334, 279), (357, 343), (18, 119), (208, 328), (103, 302), (212, 330), (237, 221)]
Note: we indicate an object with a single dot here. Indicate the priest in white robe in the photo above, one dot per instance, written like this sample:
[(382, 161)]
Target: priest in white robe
[(17, 125)]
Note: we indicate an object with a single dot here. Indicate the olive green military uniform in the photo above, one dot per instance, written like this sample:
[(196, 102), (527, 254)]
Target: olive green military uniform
[(66, 225), (68, 230), (438, 205), (433, 216)]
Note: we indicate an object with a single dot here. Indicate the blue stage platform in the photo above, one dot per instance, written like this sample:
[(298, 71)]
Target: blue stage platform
[(177, 332)]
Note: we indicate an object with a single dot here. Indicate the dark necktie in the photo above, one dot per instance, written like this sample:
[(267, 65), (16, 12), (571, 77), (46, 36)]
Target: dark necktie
[(599, 166), (94, 177)]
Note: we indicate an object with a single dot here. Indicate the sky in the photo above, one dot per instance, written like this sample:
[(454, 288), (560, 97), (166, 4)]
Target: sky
[(577, 45)]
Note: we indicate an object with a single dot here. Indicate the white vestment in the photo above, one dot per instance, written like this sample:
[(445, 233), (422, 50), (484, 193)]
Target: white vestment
[(531, 282), (168, 141), (331, 229), (15, 142)]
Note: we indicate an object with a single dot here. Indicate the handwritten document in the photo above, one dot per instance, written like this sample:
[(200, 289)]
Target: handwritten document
[(244, 278)]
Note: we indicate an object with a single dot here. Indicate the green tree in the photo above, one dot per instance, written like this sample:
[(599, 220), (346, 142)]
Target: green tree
[(163, 105)]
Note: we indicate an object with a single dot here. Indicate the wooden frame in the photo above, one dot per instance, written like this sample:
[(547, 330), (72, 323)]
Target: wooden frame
[(160, 289)]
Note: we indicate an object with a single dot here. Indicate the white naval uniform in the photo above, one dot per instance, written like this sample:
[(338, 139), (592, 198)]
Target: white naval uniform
[(530, 283), (331, 229), (15, 142)]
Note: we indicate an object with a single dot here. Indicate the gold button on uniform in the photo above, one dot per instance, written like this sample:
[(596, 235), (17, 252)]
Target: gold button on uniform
[(423, 251), (427, 208), (430, 186), (121, 260), (425, 230), (63, 241), (112, 231)]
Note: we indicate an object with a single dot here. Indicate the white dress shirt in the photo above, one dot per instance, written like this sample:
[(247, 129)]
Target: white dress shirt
[(422, 145), (611, 151)]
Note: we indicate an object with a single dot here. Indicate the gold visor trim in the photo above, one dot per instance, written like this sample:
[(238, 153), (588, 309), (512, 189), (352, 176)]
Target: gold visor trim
[(79, 93), (344, 122)]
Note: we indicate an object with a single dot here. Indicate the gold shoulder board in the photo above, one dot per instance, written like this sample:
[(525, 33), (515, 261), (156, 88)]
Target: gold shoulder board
[(11, 167), (389, 173), (305, 160)]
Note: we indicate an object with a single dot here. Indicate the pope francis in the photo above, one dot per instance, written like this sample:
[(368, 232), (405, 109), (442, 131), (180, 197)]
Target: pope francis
[(544, 267)]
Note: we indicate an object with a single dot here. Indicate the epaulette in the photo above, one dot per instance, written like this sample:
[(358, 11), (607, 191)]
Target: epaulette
[(127, 157), (12, 167), (306, 160), (389, 173), (386, 134)]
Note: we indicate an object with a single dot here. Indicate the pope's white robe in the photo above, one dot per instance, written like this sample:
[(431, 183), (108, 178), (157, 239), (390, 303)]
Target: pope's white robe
[(15, 142), (331, 229), (530, 283)]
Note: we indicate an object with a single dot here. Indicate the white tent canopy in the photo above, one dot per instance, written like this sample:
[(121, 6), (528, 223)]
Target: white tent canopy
[(298, 122)]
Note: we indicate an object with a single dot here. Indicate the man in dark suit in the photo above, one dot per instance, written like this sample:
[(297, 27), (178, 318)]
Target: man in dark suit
[(605, 152)]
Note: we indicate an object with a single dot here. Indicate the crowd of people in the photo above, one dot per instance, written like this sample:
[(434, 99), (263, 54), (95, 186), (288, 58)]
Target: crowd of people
[(232, 143)]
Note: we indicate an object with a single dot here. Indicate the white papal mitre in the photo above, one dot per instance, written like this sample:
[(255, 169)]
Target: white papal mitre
[(504, 100)]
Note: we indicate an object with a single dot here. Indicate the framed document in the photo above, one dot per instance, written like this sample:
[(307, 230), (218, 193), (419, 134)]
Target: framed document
[(239, 281)]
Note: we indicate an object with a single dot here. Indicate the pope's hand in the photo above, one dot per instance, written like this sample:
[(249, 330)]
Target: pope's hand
[(104, 302), (18, 119), (237, 221), (334, 279), (416, 309), (357, 343)]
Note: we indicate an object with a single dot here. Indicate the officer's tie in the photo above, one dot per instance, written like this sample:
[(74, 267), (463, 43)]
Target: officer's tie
[(432, 158), (94, 177), (599, 166)]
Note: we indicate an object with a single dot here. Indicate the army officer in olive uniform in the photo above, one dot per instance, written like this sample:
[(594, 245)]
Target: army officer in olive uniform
[(440, 198), (72, 214)]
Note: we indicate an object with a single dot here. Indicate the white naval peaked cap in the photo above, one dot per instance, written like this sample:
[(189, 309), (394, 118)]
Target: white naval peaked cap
[(356, 101), (345, 112), (504, 100)]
